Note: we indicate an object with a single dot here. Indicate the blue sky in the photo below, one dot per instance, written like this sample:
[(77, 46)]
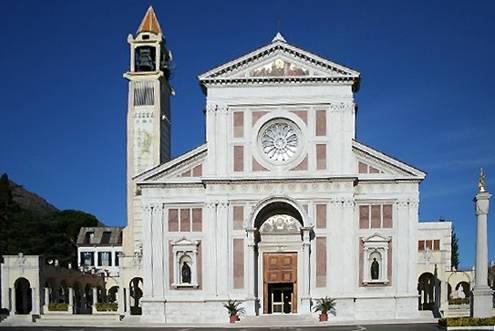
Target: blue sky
[(426, 95)]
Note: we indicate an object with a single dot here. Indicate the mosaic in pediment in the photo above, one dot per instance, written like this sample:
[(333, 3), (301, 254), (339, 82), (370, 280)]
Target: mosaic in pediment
[(279, 68)]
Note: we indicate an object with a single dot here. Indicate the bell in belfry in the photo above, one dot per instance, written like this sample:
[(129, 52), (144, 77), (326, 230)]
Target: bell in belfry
[(145, 59)]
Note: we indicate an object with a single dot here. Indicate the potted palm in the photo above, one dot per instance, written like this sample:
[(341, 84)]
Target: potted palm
[(324, 305), (234, 309)]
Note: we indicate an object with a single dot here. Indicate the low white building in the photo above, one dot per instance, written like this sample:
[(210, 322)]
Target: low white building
[(99, 250)]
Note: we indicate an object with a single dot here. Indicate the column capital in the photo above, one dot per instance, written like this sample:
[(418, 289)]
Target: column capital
[(482, 201)]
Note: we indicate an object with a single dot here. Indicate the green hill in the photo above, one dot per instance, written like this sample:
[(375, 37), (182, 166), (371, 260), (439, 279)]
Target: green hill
[(30, 225)]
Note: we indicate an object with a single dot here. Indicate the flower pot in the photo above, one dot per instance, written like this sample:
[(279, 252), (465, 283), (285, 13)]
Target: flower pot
[(234, 318), (323, 317)]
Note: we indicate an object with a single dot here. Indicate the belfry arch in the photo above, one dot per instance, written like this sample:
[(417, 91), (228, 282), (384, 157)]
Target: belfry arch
[(279, 256)]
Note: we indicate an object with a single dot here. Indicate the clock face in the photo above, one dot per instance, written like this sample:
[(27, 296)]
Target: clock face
[(279, 141)]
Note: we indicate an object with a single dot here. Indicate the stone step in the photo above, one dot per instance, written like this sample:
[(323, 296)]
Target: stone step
[(278, 320)]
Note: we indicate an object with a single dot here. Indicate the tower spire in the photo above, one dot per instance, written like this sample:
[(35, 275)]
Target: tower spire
[(150, 22)]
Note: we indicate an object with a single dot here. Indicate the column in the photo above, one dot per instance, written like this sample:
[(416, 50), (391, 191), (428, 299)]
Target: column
[(210, 248), (305, 306), (46, 302), (71, 300), (482, 293), (211, 167), (251, 298), (157, 252), (12, 300), (95, 300), (128, 302), (222, 252), (121, 299), (35, 301), (147, 252)]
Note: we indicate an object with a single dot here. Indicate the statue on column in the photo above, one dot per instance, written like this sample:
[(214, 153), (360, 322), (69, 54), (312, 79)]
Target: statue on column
[(482, 182)]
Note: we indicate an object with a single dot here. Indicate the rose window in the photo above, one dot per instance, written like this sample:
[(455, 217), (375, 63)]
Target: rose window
[(279, 141)]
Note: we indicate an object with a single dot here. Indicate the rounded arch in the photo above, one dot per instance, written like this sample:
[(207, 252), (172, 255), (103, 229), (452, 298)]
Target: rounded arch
[(426, 291), (136, 293), (23, 296), (276, 205)]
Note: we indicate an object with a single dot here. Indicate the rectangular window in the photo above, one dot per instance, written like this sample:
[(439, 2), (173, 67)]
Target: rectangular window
[(173, 220), (238, 263), (87, 259), (321, 216), (144, 94), (238, 158), (238, 217), (238, 124), (197, 220), (88, 237), (421, 245), (375, 216), (436, 245), (185, 220), (117, 262), (429, 244), (321, 156), (321, 261), (105, 237), (387, 216), (364, 217), (104, 259), (321, 122)]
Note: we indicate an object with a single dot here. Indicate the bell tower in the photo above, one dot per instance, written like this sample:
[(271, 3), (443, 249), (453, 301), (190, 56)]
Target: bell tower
[(148, 115)]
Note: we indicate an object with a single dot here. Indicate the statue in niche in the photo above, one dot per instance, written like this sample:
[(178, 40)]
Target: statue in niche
[(186, 274), (374, 269)]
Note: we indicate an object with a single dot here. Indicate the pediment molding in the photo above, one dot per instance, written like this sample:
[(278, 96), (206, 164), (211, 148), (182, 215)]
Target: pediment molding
[(385, 163), (376, 238), (312, 68), (174, 167)]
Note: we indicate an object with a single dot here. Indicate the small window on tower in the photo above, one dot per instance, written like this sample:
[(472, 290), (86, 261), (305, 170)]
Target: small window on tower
[(146, 36), (144, 94), (145, 58)]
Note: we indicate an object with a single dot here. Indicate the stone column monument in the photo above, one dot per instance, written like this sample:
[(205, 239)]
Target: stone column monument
[(482, 293)]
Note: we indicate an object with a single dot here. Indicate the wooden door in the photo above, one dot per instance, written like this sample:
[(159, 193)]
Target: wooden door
[(279, 268)]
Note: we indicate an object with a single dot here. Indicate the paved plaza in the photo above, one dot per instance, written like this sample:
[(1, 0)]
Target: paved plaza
[(394, 327)]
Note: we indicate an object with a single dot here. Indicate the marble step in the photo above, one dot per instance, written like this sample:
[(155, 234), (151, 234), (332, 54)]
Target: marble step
[(278, 320)]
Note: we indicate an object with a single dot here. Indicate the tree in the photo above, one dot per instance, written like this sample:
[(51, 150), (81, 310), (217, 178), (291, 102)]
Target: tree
[(454, 262), (5, 193)]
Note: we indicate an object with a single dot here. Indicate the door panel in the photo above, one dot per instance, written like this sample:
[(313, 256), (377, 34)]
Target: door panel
[(279, 268)]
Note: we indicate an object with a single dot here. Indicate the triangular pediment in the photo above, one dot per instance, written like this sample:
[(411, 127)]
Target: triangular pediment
[(184, 168), (280, 61), (376, 238), (371, 163)]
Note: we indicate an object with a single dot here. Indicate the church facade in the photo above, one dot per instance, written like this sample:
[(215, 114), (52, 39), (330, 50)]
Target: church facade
[(280, 206)]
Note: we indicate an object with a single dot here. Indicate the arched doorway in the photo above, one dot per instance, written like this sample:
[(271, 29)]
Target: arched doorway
[(426, 291), (281, 254), (23, 296), (136, 293), (78, 298)]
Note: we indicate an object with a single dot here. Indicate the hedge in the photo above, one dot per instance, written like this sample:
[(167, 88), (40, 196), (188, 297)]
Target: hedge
[(58, 306), (466, 321), (106, 306), (459, 301)]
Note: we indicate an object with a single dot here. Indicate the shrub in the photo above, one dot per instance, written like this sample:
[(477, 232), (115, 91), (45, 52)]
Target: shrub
[(58, 306), (466, 321), (106, 306), (324, 305), (234, 307), (459, 301)]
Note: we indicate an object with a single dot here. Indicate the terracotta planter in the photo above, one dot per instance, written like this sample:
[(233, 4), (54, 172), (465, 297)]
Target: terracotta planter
[(323, 317), (234, 318)]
